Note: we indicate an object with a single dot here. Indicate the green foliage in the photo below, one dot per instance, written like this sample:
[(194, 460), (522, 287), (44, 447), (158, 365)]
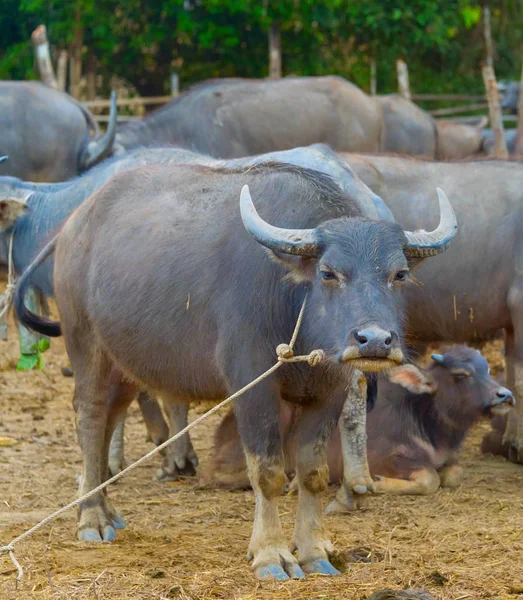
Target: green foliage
[(145, 40), (27, 362)]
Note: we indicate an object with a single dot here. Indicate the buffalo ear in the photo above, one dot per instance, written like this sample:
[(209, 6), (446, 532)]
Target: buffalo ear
[(300, 269), (10, 210), (413, 379)]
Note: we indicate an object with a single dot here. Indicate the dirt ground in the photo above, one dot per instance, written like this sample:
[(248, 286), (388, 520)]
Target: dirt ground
[(184, 542)]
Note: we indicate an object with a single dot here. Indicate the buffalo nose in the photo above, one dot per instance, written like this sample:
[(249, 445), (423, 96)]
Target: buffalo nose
[(504, 395), (375, 337)]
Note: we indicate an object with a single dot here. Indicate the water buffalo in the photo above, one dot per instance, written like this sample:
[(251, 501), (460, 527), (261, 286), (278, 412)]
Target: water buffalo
[(510, 139), (45, 133), (476, 289), (50, 204), (228, 286), (510, 98), (230, 118), (415, 431)]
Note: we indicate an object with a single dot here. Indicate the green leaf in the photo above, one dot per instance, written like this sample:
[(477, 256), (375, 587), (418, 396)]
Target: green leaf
[(27, 362), (43, 344)]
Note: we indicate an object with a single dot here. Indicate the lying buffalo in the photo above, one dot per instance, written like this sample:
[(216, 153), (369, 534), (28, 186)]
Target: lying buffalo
[(475, 289), (230, 118), (415, 431), (45, 133), (228, 289)]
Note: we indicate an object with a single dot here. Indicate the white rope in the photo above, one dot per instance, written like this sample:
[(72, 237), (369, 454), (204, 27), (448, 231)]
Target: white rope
[(285, 355), (7, 297)]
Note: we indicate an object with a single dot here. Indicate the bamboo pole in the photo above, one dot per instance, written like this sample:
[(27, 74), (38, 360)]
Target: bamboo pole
[(274, 51), (403, 79), (43, 56), (487, 30), (494, 109), (373, 84), (61, 69)]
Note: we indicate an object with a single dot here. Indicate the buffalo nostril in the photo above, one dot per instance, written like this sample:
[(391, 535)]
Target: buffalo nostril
[(388, 341), (360, 338)]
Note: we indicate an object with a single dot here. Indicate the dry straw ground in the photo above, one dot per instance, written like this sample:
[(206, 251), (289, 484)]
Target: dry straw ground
[(189, 543)]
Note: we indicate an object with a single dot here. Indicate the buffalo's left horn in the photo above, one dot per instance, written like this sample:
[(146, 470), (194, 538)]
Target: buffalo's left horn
[(97, 150), (3, 159), (423, 243), (302, 242)]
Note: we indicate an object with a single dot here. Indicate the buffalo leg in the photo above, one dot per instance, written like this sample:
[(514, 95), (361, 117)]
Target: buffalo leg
[(180, 457), (116, 449), (257, 416), (420, 483), (451, 476), (157, 428), (357, 480), (95, 523), (513, 436), (312, 474)]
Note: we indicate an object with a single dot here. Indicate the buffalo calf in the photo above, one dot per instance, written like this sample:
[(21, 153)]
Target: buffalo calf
[(419, 423)]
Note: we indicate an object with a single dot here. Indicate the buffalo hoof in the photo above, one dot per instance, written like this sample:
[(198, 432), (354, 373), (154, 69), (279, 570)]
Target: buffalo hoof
[(90, 534), (118, 522), (321, 566), (173, 473), (276, 564), (515, 453)]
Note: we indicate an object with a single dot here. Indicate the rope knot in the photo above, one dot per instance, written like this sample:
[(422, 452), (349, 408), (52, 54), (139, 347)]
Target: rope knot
[(315, 357), (284, 352)]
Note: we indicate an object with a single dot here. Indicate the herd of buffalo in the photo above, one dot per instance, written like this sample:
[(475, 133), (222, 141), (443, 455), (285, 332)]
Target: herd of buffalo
[(181, 249)]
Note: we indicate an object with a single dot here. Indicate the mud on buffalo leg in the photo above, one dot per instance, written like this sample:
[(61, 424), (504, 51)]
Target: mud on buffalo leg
[(257, 417), (180, 457), (157, 428), (92, 370), (315, 426), (420, 483), (357, 480), (514, 363)]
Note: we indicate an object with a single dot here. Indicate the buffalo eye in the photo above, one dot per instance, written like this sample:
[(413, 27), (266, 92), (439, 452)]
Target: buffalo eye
[(460, 373), (401, 275), (328, 275)]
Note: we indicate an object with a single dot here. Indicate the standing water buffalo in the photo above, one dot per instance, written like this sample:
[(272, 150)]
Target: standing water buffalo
[(228, 290), (419, 423), (240, 117), (475, 289), (45, 133)]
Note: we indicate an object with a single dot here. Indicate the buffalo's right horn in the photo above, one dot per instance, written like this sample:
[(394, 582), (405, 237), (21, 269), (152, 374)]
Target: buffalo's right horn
[(97, 150), (301, 242), (3, 159), (430, 243)]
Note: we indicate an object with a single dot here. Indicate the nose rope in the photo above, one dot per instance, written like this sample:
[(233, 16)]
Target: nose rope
[(284, 353)]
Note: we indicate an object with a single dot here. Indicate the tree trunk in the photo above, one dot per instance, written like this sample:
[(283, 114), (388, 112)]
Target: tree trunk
[(494, 109), (274, 52), (75, 63), (488, 36), (91, 77), (519, 135), (403, 79), (43, 57), (62, 69), (373, 85)]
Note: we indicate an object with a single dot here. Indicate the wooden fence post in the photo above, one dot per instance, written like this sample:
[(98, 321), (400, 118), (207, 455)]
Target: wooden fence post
[(519, 134), (494, 109), (175, 84), (61, 69), (274, 51), (488, 36), (403, 79), (43, 56), (373, 85)]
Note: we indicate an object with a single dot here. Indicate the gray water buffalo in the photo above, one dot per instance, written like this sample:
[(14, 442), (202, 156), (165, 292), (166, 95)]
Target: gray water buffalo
[(45, 133), (231, 118), (415, 432), (228, 286), (510, 98), (476, 289), (510, 140)]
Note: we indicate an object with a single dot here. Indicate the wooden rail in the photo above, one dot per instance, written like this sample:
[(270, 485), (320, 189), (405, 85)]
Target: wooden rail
[(451, 97), (94, 104), (456, 110)]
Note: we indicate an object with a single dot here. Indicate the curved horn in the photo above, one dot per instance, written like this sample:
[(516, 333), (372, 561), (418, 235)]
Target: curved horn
[(302, 242), (97, 150), (3, 159), (422, 243)]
